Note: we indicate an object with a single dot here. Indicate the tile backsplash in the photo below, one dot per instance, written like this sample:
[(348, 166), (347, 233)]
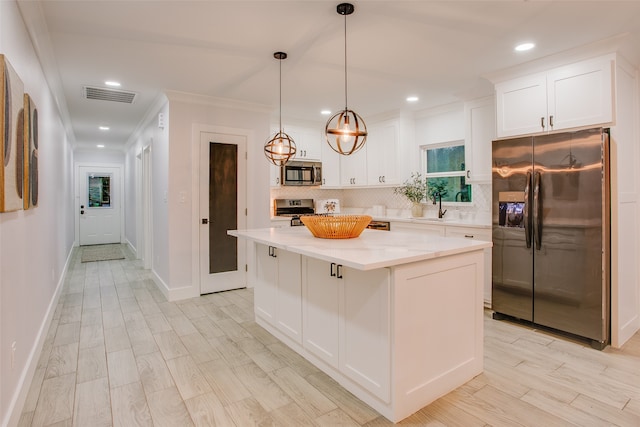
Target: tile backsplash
[(363, 200)]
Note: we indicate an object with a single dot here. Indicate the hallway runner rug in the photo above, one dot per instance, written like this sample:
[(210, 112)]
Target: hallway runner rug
[(102, 253)]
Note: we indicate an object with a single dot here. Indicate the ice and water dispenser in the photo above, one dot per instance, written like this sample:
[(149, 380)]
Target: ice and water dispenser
[(511, 209)]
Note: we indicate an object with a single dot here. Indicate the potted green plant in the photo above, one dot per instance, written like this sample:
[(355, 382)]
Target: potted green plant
[(415, 189)]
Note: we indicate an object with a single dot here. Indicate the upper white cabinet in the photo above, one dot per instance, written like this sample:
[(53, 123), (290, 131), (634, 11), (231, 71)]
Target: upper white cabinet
[(330, 165), (575, 95), (383, 153), (307, 142), (274, 176), (353, 168), (479, 133)]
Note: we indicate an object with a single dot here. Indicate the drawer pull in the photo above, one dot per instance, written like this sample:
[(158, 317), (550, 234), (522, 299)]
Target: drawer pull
[(469, 236)]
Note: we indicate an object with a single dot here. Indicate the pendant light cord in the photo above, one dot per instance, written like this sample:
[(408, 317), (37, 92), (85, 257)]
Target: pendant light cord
[(280, 94), (345, 63)]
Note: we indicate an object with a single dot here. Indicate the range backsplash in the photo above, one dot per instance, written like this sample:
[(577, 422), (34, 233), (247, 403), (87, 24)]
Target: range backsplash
[(365, 198)]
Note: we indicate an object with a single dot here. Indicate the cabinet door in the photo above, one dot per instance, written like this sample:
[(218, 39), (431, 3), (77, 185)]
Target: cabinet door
[(321, 311), (330, 166), (477, 234), (353, 168), (580, 94), (365, 324), (307, 142), (382, 154), (265, 292), (480, 130), (274, 176), (521, 105), (289, 299)]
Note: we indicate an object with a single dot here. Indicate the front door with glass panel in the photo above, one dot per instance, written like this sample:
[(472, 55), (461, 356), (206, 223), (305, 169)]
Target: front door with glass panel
[(99, 205), (222, 207)]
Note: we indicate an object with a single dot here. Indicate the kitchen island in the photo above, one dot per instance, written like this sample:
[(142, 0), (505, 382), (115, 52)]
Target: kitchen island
[(395, 318)]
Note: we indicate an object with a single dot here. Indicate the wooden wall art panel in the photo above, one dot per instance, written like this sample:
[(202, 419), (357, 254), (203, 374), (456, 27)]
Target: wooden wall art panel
[(30, 181), (12, 131)]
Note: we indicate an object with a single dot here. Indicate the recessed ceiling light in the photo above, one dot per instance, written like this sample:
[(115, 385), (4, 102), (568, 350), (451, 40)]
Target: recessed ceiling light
[(325, 112), (100, 145), (525, 46), (104, 128), (112, 83), (412, 98)]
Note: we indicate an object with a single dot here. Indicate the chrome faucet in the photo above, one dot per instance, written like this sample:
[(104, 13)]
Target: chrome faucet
[(440, 211)]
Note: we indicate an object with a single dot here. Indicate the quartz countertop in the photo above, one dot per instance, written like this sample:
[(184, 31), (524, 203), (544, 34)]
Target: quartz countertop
[(373, 249)]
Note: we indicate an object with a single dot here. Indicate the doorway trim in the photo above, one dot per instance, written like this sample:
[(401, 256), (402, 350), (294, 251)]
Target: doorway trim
[(77, 166), (196, 130)]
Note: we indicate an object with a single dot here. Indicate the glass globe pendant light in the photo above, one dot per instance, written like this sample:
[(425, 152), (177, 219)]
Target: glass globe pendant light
[(280, 148), (345, 131)]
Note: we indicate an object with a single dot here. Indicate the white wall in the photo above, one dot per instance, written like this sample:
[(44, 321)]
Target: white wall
[(34, 244), (184, 113), (158, 139)]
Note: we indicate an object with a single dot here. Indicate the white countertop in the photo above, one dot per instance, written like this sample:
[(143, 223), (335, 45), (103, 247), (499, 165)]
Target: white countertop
[(373, 249)]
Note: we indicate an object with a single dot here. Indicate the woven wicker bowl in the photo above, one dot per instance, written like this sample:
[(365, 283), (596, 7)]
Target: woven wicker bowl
[(336, 227)]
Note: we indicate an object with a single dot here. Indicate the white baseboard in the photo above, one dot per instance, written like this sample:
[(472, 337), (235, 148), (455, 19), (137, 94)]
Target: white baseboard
[(174, 294), (19, 398), (132, 248)]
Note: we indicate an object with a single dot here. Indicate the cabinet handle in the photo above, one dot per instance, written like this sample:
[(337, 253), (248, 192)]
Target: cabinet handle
[(339, 271), (542, 122), (324, 181), (550, 121), (469, 236), (272, 252), (384, 178), (469, 174), (332, 271)]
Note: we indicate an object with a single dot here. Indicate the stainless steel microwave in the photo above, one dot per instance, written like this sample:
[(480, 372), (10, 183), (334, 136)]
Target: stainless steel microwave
[(301, 173)]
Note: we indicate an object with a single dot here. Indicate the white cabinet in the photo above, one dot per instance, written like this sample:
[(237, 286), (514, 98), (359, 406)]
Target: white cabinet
[(278, 290), (330, 165), (579, 94), (320, 310), (383, 154), (347, 319), (274, 176), (307, 142), (477, 234), (480, 131), (353, 169)]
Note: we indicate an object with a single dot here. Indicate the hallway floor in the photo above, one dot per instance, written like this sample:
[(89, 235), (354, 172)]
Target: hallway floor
[(119, 354)]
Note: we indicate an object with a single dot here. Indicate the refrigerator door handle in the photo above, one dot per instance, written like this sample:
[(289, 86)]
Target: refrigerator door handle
[(537, 211), (527, 214)]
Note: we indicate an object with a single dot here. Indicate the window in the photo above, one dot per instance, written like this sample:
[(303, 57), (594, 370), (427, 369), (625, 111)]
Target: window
[(444, 168), (99, 191)]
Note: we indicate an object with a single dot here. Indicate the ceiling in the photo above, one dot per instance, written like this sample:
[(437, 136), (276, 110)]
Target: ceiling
[(440, 51)]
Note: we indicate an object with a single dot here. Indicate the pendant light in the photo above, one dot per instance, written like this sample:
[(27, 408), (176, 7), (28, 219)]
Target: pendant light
[(345, 131), (280, 148)]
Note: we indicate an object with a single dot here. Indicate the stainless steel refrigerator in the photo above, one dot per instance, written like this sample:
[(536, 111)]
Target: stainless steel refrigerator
[(551, 232)]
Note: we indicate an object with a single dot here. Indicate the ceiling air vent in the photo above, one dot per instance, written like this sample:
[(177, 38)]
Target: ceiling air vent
[(103, 94)]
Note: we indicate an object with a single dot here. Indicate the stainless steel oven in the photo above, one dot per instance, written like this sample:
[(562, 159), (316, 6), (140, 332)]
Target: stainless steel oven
[(301, 173)]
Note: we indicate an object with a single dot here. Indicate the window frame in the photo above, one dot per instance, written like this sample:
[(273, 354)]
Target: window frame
[(452, 174)]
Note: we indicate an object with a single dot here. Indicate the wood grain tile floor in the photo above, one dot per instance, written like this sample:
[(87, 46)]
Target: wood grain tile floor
[(119, 354)]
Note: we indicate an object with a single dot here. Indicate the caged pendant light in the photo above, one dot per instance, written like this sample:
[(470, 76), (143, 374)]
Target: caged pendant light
[(280, 148), (345, 131)]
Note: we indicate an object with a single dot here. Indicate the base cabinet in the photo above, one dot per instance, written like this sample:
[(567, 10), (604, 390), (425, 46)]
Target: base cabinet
[(346, 320), (278, 291)]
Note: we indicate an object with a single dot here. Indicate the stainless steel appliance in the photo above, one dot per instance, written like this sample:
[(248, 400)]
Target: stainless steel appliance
[(551, 232), (293, 208), (301, 173)]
